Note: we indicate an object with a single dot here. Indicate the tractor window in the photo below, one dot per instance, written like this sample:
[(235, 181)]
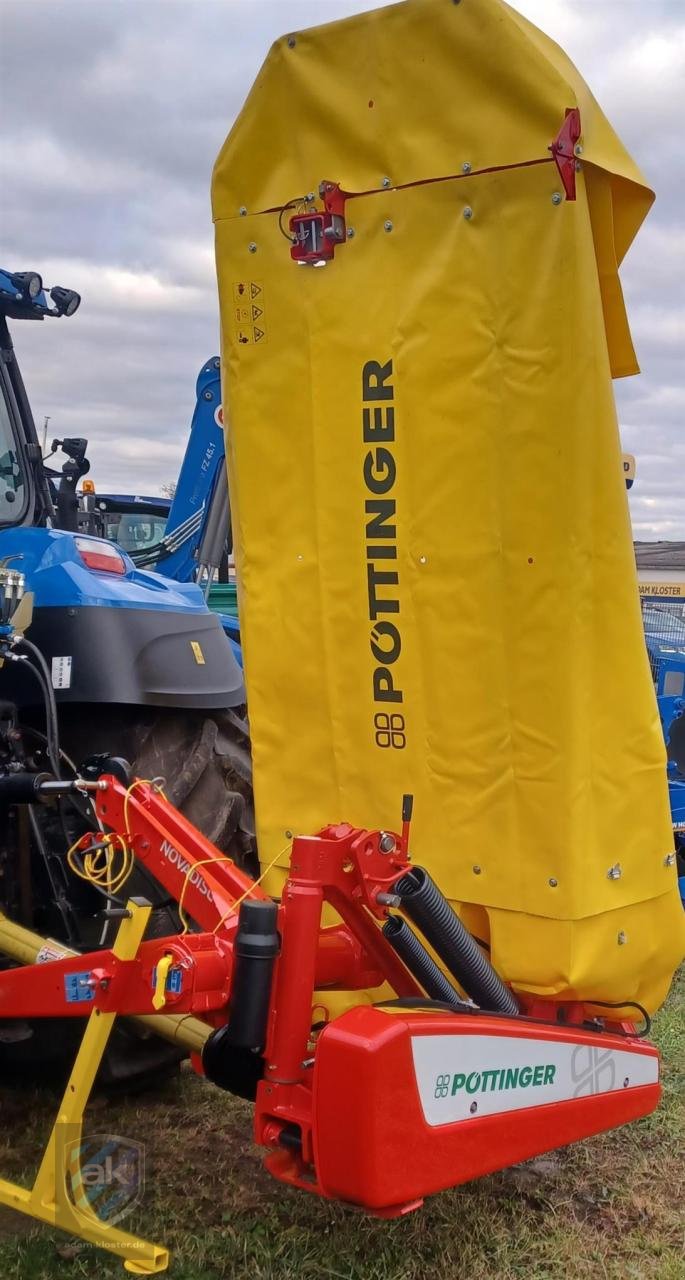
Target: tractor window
[(134, 531), (12, 479)]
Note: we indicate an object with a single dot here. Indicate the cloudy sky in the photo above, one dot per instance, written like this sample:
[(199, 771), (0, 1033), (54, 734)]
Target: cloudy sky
[(111, 115)]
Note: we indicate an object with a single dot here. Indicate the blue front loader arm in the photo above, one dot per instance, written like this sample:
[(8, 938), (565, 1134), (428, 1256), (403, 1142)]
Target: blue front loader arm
[(202, 469)]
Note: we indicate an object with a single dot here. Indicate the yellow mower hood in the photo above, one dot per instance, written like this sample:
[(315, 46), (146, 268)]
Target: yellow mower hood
[(437, 585)]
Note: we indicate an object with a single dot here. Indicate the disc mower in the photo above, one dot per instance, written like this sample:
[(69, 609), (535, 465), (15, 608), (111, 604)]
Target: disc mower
[(426, 495), (450, 1066)]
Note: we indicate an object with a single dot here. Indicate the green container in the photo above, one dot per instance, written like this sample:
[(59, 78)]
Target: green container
[(223, 598)]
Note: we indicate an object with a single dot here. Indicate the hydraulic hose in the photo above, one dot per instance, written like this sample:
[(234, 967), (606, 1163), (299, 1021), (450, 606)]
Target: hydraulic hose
[(432, 914), (412, 952), (42, 674)]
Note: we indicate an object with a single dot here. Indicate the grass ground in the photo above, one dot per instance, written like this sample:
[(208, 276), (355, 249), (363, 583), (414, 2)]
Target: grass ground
[(611, 1207)]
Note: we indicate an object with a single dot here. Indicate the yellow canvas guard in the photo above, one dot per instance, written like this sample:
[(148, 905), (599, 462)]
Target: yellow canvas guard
[(436, 578)]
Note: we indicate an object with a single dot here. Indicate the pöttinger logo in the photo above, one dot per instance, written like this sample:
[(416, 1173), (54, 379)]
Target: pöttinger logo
[(442, 1086), (593, 1070), (104, 1175)]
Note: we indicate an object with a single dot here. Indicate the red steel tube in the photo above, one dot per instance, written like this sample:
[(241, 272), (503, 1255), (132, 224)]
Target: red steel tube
[(295, 975)]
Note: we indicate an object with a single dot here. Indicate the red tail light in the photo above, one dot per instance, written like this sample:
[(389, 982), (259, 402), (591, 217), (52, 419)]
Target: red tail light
[(100, 556)]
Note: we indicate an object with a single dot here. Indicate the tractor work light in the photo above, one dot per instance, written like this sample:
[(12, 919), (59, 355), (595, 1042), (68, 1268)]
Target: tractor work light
[(29, 284), (66, 301), (100, 556)]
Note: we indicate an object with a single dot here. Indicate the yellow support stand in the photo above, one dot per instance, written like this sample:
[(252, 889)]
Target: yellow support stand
[(48, 1198)]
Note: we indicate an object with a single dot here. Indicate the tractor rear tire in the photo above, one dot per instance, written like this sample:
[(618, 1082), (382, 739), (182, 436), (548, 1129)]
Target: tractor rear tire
[(207, 770), (203, 762)]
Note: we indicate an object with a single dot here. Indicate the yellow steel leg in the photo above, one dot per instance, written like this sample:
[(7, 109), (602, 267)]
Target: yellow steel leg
[(48, 1198)]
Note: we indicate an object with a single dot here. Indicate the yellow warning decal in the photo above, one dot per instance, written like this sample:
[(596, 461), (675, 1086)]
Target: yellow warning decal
[(249, 320), (197, 652), (248, 290)]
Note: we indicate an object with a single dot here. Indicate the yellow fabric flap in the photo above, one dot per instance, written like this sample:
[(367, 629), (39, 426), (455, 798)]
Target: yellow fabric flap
[(437, 584)]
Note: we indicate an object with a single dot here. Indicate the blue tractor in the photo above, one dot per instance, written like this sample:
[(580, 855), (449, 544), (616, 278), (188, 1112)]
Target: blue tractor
[(111, 659)]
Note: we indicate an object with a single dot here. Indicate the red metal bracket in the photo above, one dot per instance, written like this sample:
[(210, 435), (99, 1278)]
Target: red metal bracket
[(564, 150), (316, 233), (199, 981), (208, 885), (189, 866)]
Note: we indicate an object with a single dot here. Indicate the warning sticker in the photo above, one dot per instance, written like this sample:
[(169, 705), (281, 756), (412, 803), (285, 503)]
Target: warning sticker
[(197, 652), (250, 333), (249, 319), (61, 673), (48, 953), (248, 290)]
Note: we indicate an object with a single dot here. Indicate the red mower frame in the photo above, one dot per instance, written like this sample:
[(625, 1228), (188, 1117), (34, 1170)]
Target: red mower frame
[(343, 1109)]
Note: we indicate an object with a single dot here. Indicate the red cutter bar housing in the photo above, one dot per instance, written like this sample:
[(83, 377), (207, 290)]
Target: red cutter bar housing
[(407, 1104)]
